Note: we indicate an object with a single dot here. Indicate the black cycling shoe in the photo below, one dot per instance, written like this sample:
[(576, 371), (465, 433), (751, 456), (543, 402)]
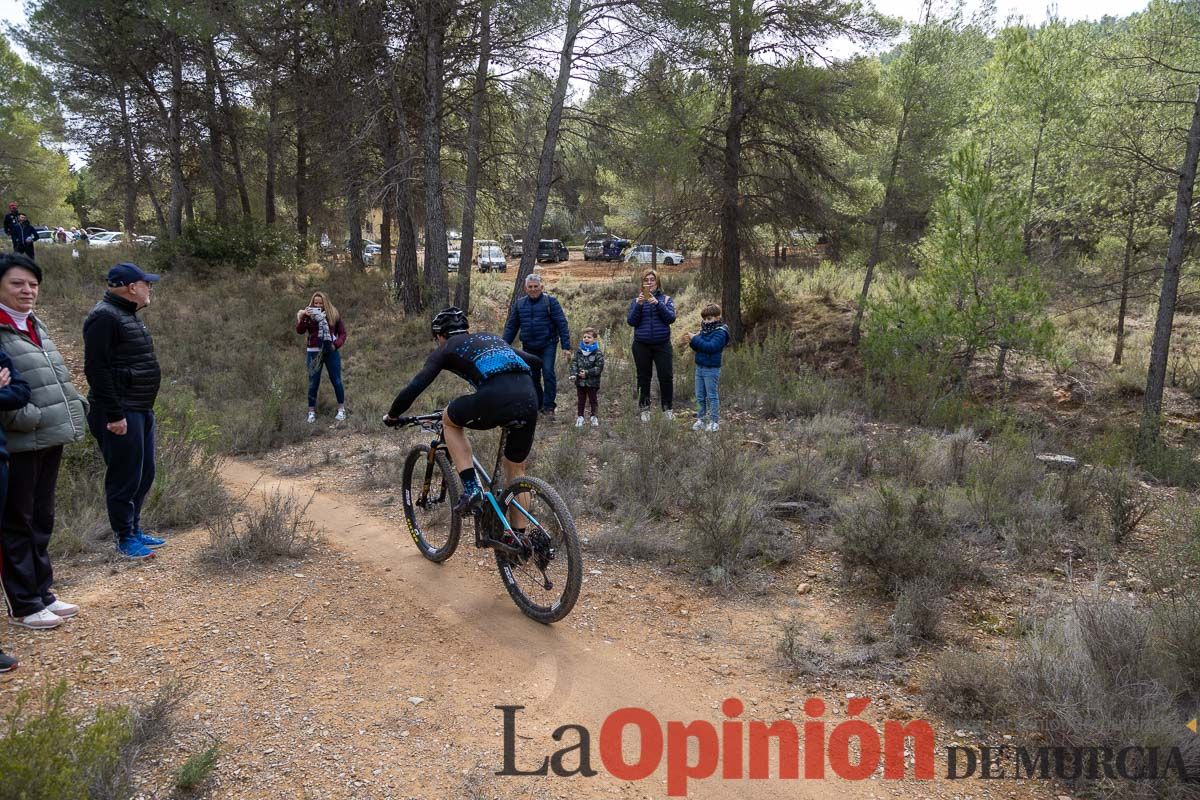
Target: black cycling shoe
[(471, 501), (7, 663)]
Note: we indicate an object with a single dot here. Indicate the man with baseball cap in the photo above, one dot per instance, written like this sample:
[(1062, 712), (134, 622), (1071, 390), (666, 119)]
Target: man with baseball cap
[(13, 228), (123, 378)]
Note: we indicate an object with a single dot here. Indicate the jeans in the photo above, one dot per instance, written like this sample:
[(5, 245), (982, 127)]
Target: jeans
[(659, 357), (28, 522), (130, 462), (707, 398), (332, 361), (549, 393)]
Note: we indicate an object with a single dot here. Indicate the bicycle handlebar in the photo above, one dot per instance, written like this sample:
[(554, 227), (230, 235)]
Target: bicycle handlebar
[(420, 419)]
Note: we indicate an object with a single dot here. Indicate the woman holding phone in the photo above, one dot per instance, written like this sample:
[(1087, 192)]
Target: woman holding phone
[(651, 315), (326, 333)]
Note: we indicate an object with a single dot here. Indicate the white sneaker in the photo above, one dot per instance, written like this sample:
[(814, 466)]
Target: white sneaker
[(698, 425), (61, 609), (42, 620), (341, 415), (312, 416), (645, 416), (668, 413), (579, 422), (713, 427), (595, 422)]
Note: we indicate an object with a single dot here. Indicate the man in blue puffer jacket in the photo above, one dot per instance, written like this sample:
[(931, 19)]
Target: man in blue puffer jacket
[(541, 323), (708, 343)]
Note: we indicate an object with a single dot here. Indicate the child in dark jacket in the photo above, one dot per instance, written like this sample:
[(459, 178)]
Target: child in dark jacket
[(586, 366), (708, 343), (14, 394)]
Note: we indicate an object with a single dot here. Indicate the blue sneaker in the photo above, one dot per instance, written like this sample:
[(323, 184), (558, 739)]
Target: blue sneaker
[(471, 500), (132, 547), (152, 542)]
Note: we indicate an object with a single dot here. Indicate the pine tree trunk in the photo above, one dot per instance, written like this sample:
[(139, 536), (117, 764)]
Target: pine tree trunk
[(272, 156), (1160, 347), (215, 158), (877, 236), (730, 213), (1126, 270), (541, 197), (435, 17), (404, 270), (462, 295), (175, 145), (127, 155), (235, 149)]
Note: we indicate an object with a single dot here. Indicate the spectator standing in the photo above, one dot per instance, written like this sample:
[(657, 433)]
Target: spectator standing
[(586, 368), (326, 334), (14, 393), (709, 342), (539, 319), (123, 379), (54, 416), (12, 227), (28, 235), (651, 315)]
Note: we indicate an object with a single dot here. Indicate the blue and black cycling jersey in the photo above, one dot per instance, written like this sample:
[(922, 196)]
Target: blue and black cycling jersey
[(474, 357)]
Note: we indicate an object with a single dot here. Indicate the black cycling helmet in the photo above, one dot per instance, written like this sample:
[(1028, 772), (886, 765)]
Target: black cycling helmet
[(449, 321)]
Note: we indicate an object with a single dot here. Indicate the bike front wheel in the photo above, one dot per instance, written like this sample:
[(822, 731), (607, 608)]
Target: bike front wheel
[(544, 585), (431, 488)]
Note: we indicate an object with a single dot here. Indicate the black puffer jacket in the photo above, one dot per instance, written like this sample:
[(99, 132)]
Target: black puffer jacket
[(118, 359)]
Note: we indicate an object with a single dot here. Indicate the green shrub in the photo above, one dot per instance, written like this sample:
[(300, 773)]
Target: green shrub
[(919, 606), (964, 685), (245, 245), (274, 528), (1099, 675), (727, 511), (52, 753), (898, 537), (1122, 501), (196, 771), (976, 294)]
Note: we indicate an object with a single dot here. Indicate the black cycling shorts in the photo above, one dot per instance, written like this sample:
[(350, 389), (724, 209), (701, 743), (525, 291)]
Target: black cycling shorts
[(507, 397)]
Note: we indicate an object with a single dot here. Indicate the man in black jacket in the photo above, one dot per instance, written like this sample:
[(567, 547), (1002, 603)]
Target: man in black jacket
[(123, 378), (12, 227)]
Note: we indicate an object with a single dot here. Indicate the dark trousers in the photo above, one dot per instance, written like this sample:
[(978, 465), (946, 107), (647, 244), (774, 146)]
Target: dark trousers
[(660, 357), (25, 530), (547, 394), (331, 361), (588, 393), (130, 462)]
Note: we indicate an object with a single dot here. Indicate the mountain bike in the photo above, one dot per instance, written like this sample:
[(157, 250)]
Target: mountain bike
[(541, 566)]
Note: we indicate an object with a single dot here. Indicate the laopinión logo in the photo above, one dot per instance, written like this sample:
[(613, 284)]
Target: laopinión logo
[(813, 750)]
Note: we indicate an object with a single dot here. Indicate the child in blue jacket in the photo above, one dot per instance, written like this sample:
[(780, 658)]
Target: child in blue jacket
[(708, 343)]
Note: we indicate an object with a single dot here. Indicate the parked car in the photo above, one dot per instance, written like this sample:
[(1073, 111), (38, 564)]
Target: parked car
[(512, 247), (107, 239), (452, 262), (145, 240), (610, 249), (644, 254), (94, 231), (491, 259), (44, 234), (372, 252), (552, 250)]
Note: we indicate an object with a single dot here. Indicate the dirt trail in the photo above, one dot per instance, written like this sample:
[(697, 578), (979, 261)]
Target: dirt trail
[(567, 673)]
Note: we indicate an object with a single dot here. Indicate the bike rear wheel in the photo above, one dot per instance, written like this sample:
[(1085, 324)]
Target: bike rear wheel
[(556, 555), (430, 491)]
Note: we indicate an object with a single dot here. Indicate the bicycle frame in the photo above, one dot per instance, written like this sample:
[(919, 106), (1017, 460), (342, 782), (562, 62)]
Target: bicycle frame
[(485, 479)]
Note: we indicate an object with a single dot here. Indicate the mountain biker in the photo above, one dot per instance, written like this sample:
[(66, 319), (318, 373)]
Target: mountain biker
[(504, 393)]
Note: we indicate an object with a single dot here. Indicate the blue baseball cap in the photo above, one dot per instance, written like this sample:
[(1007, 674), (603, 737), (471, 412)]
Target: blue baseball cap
[(126, 273)]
